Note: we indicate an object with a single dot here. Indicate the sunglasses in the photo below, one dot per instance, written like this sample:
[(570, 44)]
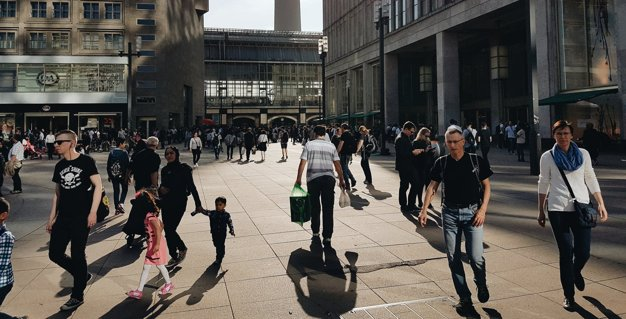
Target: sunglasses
[(59, 142)]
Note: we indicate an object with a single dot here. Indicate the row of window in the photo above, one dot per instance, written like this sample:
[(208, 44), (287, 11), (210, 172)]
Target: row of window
[(58, 40), (61, 9)]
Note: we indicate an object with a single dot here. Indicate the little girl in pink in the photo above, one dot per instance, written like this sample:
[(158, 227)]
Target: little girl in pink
[(156, 253)]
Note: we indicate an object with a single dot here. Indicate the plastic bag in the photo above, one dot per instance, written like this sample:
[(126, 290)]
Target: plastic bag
[(344, 199), (300, 205)]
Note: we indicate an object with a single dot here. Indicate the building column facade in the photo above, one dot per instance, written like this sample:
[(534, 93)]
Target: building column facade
[(392, 98), (448, 95), (620, 15)]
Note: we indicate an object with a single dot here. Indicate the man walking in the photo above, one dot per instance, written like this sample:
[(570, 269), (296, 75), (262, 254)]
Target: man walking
[(466, 192), (50, 144), (321, 157), (16, 156), (74, 207), (346, 147), (405, 167), (145, 165)]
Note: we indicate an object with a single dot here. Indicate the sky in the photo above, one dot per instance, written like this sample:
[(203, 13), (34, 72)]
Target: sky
[(258, 14)]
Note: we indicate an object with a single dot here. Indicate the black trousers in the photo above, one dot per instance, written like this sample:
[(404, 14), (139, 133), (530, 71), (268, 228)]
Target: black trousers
[(4, 291), (574, 244), (219, 238), (17, 180), (172, 215), (485, 151), (422, 182), (50, 149), (229, 151), (248, 150), (407, 178), (76, 265), (365, 164), (322, 188), (520, 152), (196, 155)]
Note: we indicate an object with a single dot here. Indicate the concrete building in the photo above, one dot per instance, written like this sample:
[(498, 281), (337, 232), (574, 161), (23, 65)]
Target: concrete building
[(60, 65), (287, 15), (472, 60), (259, 77)]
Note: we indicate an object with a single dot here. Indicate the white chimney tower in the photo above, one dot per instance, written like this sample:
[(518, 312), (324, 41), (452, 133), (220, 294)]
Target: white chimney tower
[(287, 15)]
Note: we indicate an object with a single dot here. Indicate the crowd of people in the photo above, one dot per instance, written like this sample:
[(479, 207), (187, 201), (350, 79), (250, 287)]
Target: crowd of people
[(161, 192)]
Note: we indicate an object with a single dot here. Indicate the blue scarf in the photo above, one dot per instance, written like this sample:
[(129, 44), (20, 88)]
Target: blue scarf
[(569, 161)]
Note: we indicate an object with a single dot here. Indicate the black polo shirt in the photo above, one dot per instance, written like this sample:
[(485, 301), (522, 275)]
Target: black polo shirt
[(460, 184)]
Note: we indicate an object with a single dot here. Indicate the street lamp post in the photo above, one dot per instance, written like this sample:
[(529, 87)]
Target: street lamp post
[(299, 108), (130, 54), (348, 94), (381, 18), (322, 49)]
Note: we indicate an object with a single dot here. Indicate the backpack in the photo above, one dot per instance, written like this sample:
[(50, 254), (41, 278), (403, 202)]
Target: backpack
[(470, 139), (349, 144), (372, 145), (216, 139), (117, 171)]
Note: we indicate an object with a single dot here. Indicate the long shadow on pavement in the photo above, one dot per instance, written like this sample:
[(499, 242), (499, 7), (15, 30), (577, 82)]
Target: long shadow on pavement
[(378, 195), (433, 230), (357, 202), (326, 280), (605, 311)]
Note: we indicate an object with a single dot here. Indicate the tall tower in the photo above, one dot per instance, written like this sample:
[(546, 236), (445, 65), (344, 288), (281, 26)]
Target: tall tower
[(287, 15)]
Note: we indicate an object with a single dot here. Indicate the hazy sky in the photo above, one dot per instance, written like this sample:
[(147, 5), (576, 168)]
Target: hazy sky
[(258, 14)]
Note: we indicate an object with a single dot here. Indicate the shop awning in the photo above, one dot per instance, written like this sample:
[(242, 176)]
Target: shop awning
[(578, 95)]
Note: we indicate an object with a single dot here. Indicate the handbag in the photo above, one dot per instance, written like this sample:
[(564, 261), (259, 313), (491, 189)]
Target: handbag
[(103, 208), (300, 205), (587, 214), (344, 199)]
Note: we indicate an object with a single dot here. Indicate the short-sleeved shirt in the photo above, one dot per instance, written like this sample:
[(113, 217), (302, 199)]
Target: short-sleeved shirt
[(75, 188), (349, 143), (319, 155), (143, 165), (460, 184)]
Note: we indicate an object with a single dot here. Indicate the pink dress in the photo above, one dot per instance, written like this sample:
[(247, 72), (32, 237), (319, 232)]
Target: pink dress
[(160, 258)]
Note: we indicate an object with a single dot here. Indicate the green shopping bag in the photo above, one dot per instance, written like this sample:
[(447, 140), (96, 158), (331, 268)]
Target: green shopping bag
[(300, 205)]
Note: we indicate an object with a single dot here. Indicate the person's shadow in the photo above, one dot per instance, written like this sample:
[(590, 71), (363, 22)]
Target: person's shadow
[(432, 231), (378, 195), (604, 310), (326, 280), (205, 282), (357, 202)]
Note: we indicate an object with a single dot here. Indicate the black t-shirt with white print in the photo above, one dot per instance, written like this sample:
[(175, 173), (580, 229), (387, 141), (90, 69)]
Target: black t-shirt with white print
[(460, 184), (75, 188)]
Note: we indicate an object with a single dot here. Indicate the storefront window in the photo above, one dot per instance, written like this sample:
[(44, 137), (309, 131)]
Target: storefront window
[(62, 78), (589, 60)]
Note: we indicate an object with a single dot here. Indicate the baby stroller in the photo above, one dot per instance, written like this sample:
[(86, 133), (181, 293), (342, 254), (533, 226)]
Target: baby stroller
[(30, 151), (135, 223)]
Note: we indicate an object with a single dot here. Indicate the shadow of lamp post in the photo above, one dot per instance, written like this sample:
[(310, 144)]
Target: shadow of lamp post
[(130, 54)]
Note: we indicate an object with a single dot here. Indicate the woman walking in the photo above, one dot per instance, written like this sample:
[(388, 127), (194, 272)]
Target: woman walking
[(423, 162), (520, 141), (176, 184), (567, 169), (365, 148), (195, 145), (262, 144)]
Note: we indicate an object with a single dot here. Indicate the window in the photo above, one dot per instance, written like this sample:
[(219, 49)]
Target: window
[(7, 40), (38, 40), (146, 84), (91, 10), (148, 37), (61, 10), (91, 41), (416, 9), (146, 6), (113, 11), (38, 9), (148, 53), (7, 9), (146, 22), (61, 40), (113, 41), (146, 68), (146, 100)]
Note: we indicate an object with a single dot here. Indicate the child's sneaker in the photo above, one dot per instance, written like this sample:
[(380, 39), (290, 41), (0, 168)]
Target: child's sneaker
[(166, 288), (135, 294)]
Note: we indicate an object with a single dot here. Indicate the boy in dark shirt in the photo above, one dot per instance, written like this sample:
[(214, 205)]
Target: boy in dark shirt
[(220, 219)]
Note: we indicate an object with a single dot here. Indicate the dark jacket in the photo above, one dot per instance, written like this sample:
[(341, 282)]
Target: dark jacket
[(117, 164), (404, 157), (177, 178)]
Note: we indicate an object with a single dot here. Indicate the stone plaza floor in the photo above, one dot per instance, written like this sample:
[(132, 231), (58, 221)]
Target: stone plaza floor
[(272, 269)]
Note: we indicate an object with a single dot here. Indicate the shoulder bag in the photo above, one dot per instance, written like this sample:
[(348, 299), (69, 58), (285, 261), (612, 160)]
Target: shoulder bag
[(587, 214)]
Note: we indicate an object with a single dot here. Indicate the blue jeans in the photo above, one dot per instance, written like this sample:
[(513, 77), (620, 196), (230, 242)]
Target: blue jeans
[(456, 223), (345, 163)]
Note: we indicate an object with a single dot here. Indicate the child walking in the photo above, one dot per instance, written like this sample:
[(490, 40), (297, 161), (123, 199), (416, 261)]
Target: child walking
[(219, 219), (156, 253), (7, 240)]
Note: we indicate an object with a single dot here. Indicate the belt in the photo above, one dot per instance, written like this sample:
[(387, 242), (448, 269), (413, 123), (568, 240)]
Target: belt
[(459, 206)]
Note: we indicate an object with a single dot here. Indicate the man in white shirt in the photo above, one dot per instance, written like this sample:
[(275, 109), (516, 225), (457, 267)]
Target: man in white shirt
[(50, 144), (16, 156)]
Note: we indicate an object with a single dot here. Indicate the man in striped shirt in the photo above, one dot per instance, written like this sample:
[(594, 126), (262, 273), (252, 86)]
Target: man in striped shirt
[(321, 157)]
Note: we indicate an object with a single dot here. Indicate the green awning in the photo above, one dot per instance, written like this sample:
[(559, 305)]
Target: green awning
[(568, 97)]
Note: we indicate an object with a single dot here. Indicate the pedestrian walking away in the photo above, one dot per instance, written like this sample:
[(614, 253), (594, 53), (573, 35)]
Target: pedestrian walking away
[(465, 195), (231, 141), (366, 146), (50, 144), (15, 159), (155, 253), (195, 145), (262, 143), (520, 140), (422, 162), (248, 141), (346, 148), (219, 220), (284, 139), (484, 140), (320, 157), (406, 169), (566, 177), (117, 170), (74, 206), (176, 184)]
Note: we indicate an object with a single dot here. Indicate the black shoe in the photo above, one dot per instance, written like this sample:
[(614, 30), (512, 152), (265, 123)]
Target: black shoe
[(181, 255), (71, 304), (129, 241), (579, 282), (483, 293), (17, 191), (353, 182), (172, 263), (464, 304), (569, 303)]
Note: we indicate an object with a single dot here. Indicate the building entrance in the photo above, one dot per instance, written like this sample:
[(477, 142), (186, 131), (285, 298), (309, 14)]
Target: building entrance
[(48, 121), (147, 125)]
